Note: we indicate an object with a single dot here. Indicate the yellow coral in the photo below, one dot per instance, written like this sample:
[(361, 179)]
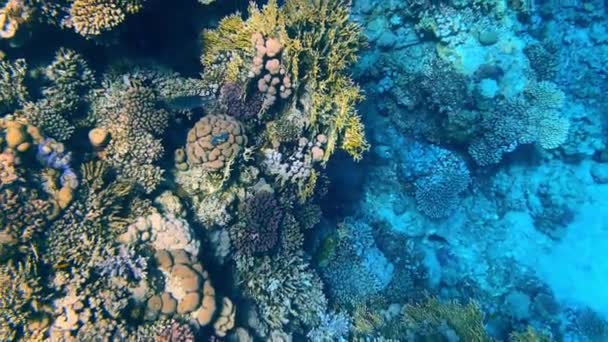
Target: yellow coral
[(354, 142), (231, 35), (92, 17), (431, 316)]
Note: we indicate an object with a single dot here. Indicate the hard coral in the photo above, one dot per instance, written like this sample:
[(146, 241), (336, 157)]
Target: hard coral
[(262, 218), (20, 296), (286, 291), (237, 104), (299, 52), (519, 121), (12, 15), (436, 320), (214, 140), (93, 17), (12, 89), (437, 194), (69, 82)]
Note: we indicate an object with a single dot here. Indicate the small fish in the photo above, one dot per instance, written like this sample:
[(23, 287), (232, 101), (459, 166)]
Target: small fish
[(187, 102)]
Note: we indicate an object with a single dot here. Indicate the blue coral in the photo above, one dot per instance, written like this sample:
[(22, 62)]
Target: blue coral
[(357, 269)]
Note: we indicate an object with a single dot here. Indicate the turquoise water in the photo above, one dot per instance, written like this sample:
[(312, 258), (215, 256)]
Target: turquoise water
[(303, 170)]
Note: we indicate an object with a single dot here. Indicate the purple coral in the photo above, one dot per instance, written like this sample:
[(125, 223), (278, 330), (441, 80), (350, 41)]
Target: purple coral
[(262, 216), (237, 104), (126, 264)]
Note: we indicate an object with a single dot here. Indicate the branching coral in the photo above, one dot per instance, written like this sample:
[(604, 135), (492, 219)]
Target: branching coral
[(93, 17), (12, 90), (20, 300), (133, 116), (69, 81), (308, 45), (333, 327), (433, 319), (31, 193), (286, 291), (12, 15), (437, 194), (519, 121), (355, 269)]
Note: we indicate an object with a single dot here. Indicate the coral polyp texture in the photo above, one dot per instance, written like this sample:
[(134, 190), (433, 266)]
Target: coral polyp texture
[(214, 140), (303, 170)]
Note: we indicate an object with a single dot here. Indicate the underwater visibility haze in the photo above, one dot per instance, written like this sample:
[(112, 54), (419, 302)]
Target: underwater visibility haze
[(304, 170)]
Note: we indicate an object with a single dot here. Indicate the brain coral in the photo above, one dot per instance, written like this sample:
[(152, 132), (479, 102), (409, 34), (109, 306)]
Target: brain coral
[(214, 140)]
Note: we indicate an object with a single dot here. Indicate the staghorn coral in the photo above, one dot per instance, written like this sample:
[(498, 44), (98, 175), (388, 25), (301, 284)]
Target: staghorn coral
[(214, 140), (286, 291)]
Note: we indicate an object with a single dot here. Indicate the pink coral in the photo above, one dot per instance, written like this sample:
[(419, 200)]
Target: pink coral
[(175, 332)]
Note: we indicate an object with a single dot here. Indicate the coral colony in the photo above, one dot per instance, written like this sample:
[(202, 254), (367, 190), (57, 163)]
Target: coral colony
[(303, 170)]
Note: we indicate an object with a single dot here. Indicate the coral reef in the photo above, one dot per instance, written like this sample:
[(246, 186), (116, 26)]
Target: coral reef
[(202, 173)]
